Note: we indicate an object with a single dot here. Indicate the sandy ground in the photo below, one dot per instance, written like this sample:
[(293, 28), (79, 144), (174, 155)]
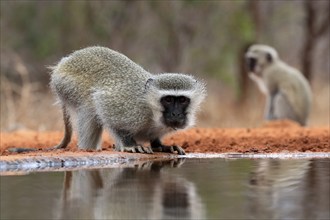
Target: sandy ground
[(270, 137)]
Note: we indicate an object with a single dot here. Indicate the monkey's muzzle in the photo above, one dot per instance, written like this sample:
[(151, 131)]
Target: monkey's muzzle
[(251, 63), (175, 123)]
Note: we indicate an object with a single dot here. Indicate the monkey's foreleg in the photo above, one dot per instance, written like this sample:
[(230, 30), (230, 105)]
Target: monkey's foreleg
[(157, 146), (269, 109), (126, 143)]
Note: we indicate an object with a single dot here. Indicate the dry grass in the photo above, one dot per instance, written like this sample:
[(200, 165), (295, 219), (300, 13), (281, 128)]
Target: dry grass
[(26, 107)]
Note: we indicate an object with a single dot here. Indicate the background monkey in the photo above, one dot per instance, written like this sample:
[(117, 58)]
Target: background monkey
[(288, 94), (106, 89)]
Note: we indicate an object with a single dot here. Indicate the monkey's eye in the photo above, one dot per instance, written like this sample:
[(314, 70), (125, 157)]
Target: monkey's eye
[(167, 99), (184, 100)]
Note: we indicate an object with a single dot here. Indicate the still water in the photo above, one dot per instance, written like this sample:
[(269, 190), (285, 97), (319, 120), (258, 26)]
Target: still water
[(181, 188)]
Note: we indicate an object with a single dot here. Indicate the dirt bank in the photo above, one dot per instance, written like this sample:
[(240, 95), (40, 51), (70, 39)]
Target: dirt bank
[(271, 137)]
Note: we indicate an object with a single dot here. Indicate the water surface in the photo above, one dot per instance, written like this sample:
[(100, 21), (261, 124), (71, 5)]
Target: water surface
[(187, 188)]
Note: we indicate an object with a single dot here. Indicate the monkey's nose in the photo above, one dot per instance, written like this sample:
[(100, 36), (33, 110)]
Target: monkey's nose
[(176, 114)]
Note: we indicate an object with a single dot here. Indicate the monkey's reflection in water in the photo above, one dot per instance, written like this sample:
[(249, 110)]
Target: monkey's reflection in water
[(142, 192), (290, 189)]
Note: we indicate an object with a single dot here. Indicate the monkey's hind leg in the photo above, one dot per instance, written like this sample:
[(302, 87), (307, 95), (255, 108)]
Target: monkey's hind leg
[(159, 147), (89, 130), (126, 143), (283, 109)]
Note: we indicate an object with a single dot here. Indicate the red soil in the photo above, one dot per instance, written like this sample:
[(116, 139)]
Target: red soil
[(271, 137)]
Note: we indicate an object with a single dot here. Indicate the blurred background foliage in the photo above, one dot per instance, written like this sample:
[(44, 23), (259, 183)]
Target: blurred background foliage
[(205, 38)]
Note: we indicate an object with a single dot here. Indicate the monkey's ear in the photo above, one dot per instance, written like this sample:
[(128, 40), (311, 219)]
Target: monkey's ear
[(269, 57), (148, 83)]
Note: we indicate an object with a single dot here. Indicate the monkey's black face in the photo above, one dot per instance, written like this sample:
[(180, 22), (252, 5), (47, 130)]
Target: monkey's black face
[(251, 63), (174, 114)]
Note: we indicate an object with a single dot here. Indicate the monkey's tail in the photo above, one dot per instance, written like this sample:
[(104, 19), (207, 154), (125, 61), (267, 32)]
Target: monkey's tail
[(67, 129), (64, 143)]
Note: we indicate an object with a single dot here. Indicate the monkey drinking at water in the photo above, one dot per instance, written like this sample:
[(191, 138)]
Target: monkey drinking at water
[(105, 89)]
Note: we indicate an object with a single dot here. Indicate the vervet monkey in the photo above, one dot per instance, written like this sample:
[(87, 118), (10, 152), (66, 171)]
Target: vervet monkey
[(288, 94), (105, 89)]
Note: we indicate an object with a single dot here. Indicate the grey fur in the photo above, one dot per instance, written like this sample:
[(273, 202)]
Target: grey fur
[(106, 89), (288, 94)]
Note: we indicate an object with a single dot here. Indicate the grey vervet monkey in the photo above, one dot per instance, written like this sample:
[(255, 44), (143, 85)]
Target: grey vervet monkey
[(105, 89), (288, 94)]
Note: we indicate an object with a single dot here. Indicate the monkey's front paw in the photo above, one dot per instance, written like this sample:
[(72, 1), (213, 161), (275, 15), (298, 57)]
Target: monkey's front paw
[(147, 150), (170, 149), (137, 149)]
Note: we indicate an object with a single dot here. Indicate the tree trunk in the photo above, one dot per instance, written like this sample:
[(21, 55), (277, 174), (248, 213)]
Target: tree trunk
[(244, 81), (243, 74), (307, 54), (313, 31)]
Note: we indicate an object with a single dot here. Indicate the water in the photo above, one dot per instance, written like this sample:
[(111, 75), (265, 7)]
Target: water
[(215, 188)]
